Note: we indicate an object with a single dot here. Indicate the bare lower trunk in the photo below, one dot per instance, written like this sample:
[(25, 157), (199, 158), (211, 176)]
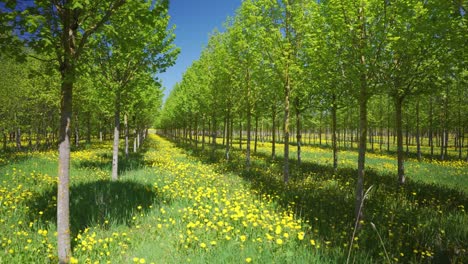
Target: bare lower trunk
[(134, 145), (273, 135), (88, 129), (334, 145), (63, 193), (363, 97), (249, 138), (18, 139), (256, 134), (228, 136), (298, 132), (4, 140), (77, 132), (115, 149), (287, 92), (126, 135), (400, 153), (418, 139)]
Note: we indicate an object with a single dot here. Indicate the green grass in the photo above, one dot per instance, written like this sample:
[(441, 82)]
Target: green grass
[(180, 204)]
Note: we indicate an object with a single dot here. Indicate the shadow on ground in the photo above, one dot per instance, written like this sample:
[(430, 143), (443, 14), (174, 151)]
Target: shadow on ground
[(418, 217), (95, 202), (133, 162)]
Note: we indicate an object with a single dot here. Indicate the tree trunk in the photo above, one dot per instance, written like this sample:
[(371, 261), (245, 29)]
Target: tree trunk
[(18, 139), (363, 98), (115, 152), (63, 193), (249, 128), (77, 131), (203, 133), (126, 135), (88, 128), (431, 139), (256, 134), (4, 140), (287, 93), (298, 132), (228, 130), (240, 133), (335, 149), (400, 153), (273, 134), (418, 140)]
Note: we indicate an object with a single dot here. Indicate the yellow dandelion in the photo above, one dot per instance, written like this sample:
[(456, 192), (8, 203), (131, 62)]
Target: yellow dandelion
[(279, 241), (248, 260), (300, 235)]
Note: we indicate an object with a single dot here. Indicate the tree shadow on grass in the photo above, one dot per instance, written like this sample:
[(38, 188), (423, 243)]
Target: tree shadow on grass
[(134, 161), (93, 203), (418, 216)]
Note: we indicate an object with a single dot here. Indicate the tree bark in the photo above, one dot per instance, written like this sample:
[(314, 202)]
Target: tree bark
[(363, 98), (298, 132), (63, 193), (115, 152), (18, 139), (77, 131), (273, 134), (228, 130), (418, 136), (256, 133), (334, 145), (126, 135), (399, 131), (287, 94)]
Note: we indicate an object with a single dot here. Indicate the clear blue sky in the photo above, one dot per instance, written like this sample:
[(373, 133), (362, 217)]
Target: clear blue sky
[(194, 20)]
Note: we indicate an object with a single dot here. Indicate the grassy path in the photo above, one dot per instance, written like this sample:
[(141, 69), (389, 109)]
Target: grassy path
[(172, 206)]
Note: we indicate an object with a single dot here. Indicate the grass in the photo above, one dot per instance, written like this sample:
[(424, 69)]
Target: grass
[(177, 204)]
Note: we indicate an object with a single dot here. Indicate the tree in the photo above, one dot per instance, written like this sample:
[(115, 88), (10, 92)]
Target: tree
[(125, 50)]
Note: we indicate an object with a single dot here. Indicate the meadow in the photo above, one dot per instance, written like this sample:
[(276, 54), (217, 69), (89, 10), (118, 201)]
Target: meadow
[(178, 204)]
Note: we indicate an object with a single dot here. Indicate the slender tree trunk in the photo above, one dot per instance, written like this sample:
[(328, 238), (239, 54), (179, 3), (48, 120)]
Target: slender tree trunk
[(320, 128), (4, 140), (418, 136), (196, 131), (18, 139), (224, 130), (298, 132), (400, 153), (363, 98), (273, 134), (63, 193), (287, 93), (77, 131), (203, 133), (126, 135), (431, 140), (88, 128), (256, 134), (249, 137), (228, 130), (249, 123), (335, 149), (115, 152), (240, 133)]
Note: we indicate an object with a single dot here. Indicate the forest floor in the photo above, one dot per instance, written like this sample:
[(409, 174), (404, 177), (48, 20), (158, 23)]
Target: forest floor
[(175, 203)]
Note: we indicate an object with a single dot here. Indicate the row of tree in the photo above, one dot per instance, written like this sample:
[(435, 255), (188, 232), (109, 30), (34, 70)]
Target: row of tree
[(95, 59), (364, 65)]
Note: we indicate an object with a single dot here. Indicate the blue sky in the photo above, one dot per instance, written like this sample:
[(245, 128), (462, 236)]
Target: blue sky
[(194, 20)]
